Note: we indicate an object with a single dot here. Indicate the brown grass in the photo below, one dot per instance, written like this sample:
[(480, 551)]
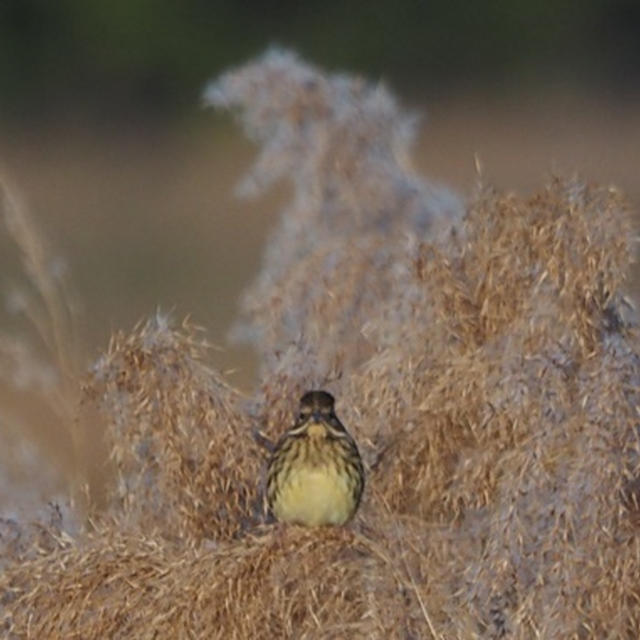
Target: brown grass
[(482, 356), (39, 367)]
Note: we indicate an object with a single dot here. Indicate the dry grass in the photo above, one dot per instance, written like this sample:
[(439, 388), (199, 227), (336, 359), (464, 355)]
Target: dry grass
[(182, 446), (39, 370), (482, 356)]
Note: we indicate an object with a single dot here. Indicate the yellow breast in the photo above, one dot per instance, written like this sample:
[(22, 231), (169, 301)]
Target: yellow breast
[(314, 496)]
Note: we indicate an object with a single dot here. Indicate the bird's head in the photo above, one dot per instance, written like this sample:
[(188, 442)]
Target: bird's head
[(317, 405)]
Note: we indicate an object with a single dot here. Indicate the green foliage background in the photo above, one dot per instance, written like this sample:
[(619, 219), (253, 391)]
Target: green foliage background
[(109, 57)]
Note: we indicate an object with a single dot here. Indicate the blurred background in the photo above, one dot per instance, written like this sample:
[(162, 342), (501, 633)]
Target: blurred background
[(102, 129)]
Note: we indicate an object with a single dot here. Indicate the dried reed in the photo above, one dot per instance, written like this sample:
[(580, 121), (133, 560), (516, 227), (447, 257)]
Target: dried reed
[(483, 357)]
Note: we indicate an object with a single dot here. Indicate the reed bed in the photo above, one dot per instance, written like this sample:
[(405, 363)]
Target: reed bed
[(483, 354)]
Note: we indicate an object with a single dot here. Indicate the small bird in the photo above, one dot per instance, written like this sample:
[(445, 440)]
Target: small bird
[(315, 474)]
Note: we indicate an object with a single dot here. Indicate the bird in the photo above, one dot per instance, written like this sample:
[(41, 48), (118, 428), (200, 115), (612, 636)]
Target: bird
[(315, 475)]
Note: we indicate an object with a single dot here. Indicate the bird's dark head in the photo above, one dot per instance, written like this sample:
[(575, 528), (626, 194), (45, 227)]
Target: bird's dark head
[(318, 404)]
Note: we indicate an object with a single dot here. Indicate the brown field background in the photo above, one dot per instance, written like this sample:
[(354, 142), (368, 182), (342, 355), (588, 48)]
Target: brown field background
[(146, 217)]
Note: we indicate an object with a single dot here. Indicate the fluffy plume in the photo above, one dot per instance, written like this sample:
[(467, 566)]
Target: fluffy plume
[(344, 145)]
